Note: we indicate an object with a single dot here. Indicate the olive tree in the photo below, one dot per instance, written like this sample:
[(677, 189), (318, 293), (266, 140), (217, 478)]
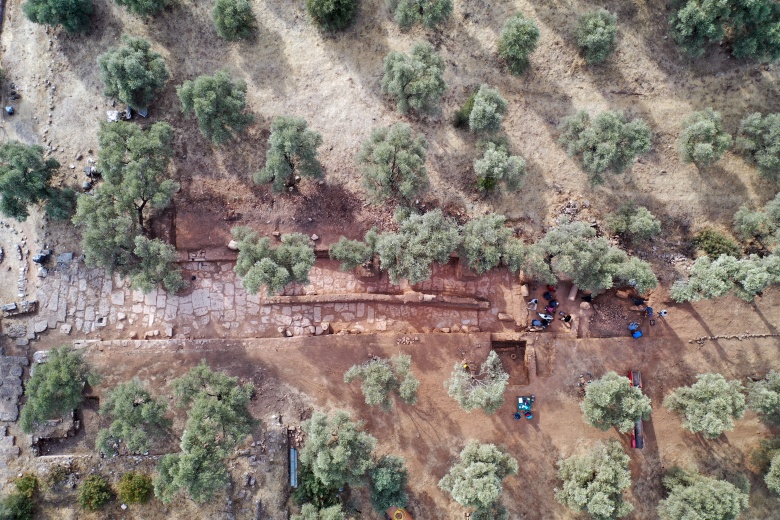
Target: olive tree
[(594, 482), (475, 480), (483, 389), (692, 495), (393, 163), (427, 12), (218, 421), (336, 449), (380, 378), (332, 15), (310, 512), (354, 253), (709, 406), (488, 110), (136, 418), (234, 19), (747, 277), (388, 483), (596, 33), (613, 401), (633, 222), (519, 38), (703, 140), (607, 142), (772, 477), (753, 225), (258, 264), (55, 388), (420, 241), (72, 15), (133, 73), (146, 8), (759, 140), (292, 153), (497, 166), (748, 27), (219, 104), (135, 165), (25, 179), (764, 397), (484, 242), (414, 80)]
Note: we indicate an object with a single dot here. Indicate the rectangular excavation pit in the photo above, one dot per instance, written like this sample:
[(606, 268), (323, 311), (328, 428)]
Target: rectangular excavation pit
[(512, 355)]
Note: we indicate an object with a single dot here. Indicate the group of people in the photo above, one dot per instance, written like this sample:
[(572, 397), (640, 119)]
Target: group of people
[(633, 327), (547, 317)]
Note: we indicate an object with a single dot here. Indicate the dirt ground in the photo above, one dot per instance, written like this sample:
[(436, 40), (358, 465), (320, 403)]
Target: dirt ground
[(333, 81)]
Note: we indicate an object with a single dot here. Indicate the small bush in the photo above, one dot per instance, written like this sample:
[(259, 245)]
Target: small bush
[(759, 140), (351, 253), (57, 475), (607, 142), (634, 222), (497, 166), (714, 243), (135, 488), (518, 40), (332, 15), (703, 140), (27, 484), (144, 7), (17, 506), (487, 111), (461, 119), (234, 19), (72, 15), (596, 32), (94, 493)]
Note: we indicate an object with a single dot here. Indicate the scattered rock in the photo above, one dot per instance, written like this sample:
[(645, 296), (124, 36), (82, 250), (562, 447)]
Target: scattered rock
[(66, 328)]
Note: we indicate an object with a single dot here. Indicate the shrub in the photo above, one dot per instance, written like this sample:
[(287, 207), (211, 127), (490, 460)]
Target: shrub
[(133, 73), (54, 390), (483, 389), (764, 398), (381, 378), (420, 241), (72, 15), (218, 104), (415, 79), (311, 490), (475, 480), (608, 142), (695, 496), (393, 163), (25, 179), (428, 12), (613, 401), (596, 32), (388, 483), (234, 19), (61, 204), (310, 512), (259, 264), (518, 40), (488, 110), (759, 140), (17, 506), (709, 406), (135, 488), (484, 239), (135, 417), (292, 152), (461, 119), (753, 225), (633, 222), (94, 493), (702, 140), (336, 449), (594, 483), (750, 28), (772, 477), (144, 7), (714, 243), (497, 166), (332, 15), (351, 253)]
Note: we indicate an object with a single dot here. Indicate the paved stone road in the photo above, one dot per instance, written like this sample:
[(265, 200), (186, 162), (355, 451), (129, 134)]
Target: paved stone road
[(83, 301)]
